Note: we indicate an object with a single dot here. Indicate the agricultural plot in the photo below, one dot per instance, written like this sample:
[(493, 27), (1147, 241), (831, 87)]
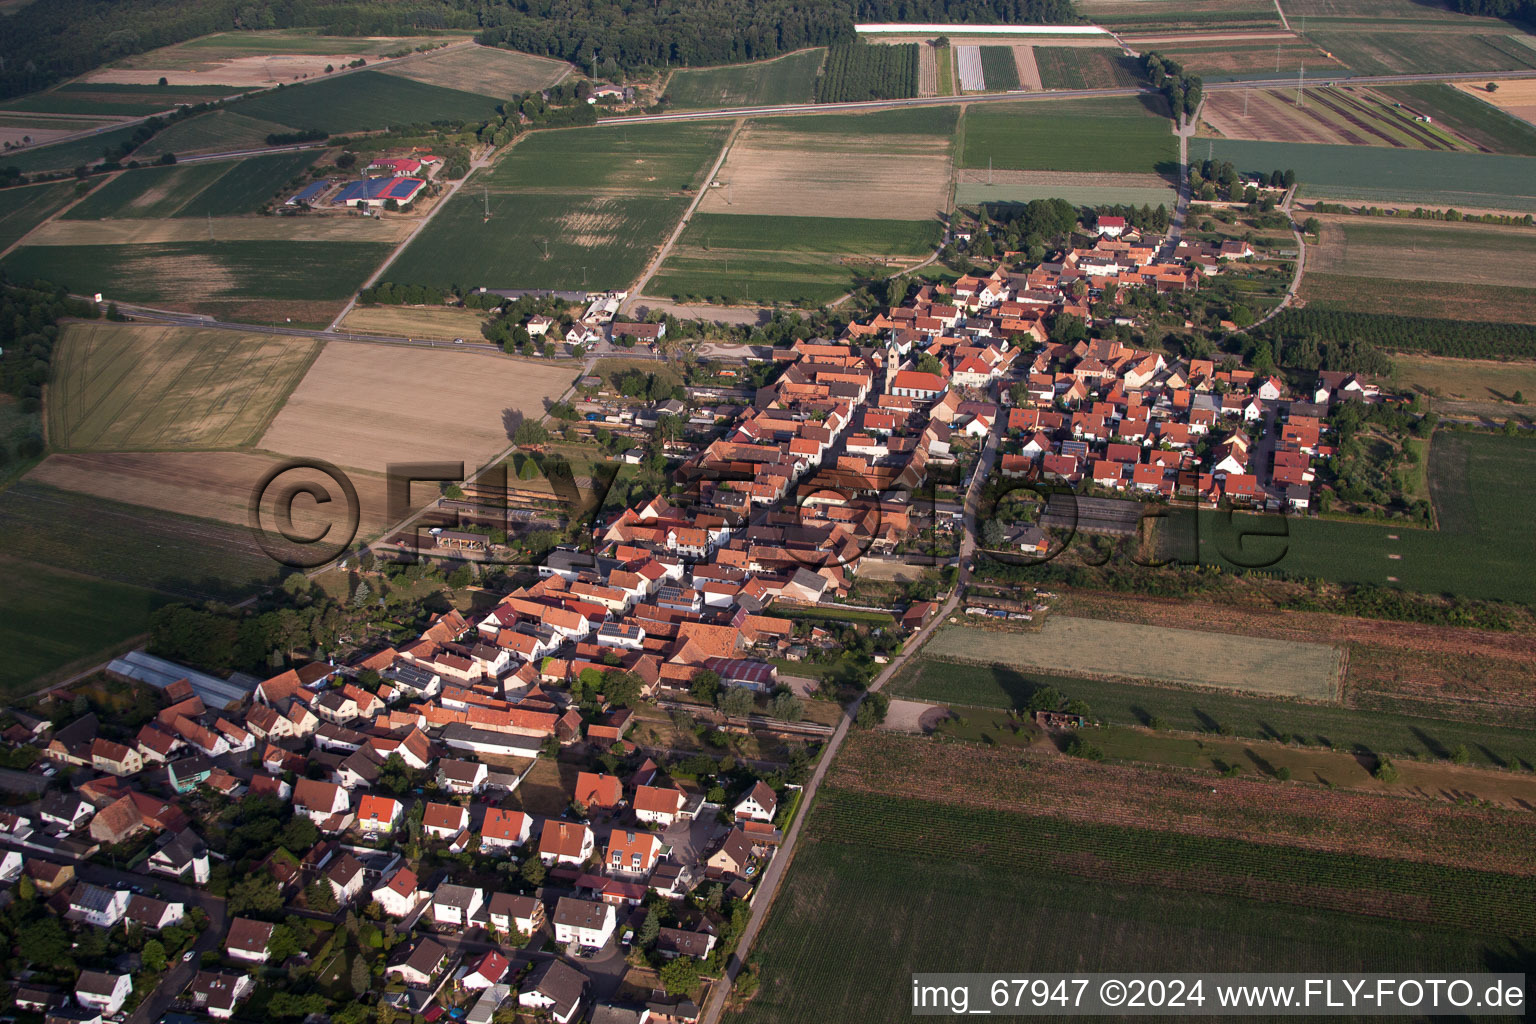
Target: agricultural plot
[(124, 387), (785, 167), (366, 100), (538, 240), (40, 614), (845, 934), (482, 69), (333, 414), (62, 156), (1346, 116), (22, 209), (1480, 484), (1387, 53), (1514, 99), (1203, 15), (1079, 67), (1377, 730), (1122, 135), (217, 131), (744, 258), (645, 159), (999, 68), (260, 281), (788, 79), (192, 190), (1132, 651), (968, 67), (1403, 177), (1465, 112), (1476, 387), (172, 553), (412, 322), (207, 485), (111, 99), (864, 71), (1237, 59), (974, 186), (1356, 256), (257, 59)]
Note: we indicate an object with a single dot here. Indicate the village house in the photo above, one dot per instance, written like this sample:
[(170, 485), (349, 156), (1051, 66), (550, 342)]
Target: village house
[(247, 940), (511, 914), (583, 922), (759, 804), (399, 895), (504, 830), (103, 991), (564, 842)]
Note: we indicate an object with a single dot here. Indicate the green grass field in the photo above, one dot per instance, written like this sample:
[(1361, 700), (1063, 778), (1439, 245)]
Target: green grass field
[(1388, 53), (602, 240), (1074, 135), (643, 159), (1482, 485), (49, 619), (365, 100), (1076, 67), (151, 194), (934, 121), (569, 209), (247, 185), (288, 40), (217, 130), (1512, 742), (789, 79), (1380, 175), (118, 100), (887, 887), (183, 272), (970, 193), (125, 387), (998, 68), (66, 156), (808, 260), (1479, 122), (22, 209)]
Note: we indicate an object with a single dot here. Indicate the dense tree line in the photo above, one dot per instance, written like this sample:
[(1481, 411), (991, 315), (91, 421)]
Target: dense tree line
[(867, 71), (1465, 338), (296, 137), (1182, 91), (1142, 218), (29, 329), (1522, 10), (44, 43)]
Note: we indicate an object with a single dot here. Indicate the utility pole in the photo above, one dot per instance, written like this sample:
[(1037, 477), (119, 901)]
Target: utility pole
[(1246, 94), (210, 225), (1301, 84), (1277, 58), (486, 195), (989, 170)]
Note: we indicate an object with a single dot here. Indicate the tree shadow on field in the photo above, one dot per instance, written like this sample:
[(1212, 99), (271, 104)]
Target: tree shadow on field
[(1436, 748), (1260, 762), (1207, 723), (1142, 715), (511, 419)]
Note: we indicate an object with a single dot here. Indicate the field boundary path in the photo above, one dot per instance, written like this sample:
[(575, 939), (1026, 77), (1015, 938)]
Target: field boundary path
[(1281, 11), (677, 231), (1184, 130), (1301, 264), (768, 885)]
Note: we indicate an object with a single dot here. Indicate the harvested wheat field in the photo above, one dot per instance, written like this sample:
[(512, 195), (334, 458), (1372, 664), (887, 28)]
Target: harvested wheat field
[(787, 173), (1098, 647), (208, 485), (1514, 96), (1029, 68), (365, 406), (483, 69), (252, 59), (414, 322)]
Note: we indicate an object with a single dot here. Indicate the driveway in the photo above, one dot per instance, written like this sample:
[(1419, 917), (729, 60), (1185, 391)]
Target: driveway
[(691, 840)]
